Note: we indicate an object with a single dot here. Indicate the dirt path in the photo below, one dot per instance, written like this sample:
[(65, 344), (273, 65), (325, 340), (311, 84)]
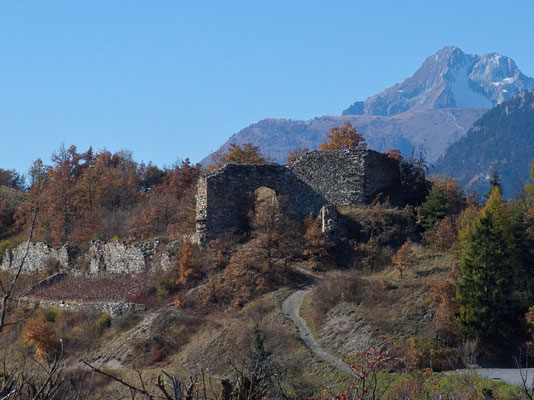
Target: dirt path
[(290, 308)]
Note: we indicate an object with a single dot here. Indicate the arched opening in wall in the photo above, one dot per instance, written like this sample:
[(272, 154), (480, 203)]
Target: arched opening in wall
[(266, 206), (263, 194)]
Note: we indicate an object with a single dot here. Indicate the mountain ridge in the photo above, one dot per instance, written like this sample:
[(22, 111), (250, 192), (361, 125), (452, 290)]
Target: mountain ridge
[(449, 78), (425, 113)]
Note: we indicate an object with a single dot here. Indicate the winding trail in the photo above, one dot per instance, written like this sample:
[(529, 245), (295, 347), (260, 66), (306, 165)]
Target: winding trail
[(290, 308)]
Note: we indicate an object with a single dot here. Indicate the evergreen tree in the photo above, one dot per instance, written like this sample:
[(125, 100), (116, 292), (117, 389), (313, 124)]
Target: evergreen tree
[(495, 182), (484, 290), (434, 208), (529, 185)]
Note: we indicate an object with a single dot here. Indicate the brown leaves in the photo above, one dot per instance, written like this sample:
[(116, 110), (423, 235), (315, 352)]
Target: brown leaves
[(39, 333), (238, 154), (343, 138), (404, 258)]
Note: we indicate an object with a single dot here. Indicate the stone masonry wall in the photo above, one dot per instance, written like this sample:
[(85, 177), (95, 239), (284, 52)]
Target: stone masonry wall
[(314, 179), (39, 255), (102, 258), (223, 195)]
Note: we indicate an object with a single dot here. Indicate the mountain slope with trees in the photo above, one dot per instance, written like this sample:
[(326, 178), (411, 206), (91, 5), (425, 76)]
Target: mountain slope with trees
[(502, 140)]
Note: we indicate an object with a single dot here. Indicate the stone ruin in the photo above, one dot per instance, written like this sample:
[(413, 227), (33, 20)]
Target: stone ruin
[(308, 184)]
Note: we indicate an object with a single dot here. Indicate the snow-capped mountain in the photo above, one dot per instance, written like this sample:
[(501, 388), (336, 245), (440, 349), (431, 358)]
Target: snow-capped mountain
[(450, 79), (426, 113)]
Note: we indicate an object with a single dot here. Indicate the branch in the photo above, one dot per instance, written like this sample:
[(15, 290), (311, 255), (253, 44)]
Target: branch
[(9, 292), (119, 380)]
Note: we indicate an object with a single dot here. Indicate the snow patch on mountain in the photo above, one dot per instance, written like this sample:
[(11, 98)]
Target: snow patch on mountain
[(462, 90), (450, 79)]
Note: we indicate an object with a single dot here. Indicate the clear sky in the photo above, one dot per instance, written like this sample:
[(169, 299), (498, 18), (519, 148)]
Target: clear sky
[(174, 79)]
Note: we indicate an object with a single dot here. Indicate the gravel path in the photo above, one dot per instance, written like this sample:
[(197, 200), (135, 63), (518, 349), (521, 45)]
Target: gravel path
[(512, 376), (290, 308)]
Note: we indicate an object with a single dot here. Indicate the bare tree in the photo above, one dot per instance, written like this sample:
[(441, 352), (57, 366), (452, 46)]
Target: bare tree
[(7, 292)]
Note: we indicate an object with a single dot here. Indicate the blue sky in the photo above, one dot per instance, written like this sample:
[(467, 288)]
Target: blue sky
[(174, 79)]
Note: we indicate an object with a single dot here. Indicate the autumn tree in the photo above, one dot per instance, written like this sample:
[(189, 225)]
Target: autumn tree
[(395, 154), (247, 153), (345, 137), (40, 334), (169, 208), (443, 235), (404, 258), (316, 246), (186, 263), (261, 263), (58, 209), (443, 297), (271, 234)]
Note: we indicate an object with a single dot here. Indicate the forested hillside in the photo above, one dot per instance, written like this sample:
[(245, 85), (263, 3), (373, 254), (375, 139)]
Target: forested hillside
[(501, 140)]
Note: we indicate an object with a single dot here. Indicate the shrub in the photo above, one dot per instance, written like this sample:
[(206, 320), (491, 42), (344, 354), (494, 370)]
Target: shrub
[(103, 322), (4, 245), (51, 314), (442, 236)]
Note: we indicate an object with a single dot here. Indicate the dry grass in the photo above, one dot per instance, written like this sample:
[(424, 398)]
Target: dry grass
[(379, 303)]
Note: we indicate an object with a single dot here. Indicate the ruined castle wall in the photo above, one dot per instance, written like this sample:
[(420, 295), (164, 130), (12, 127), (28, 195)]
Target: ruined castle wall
[(314, 179), (345, 177), (102, 258), (382, 175), (337, 175), (225, 195), (40, 255), (119, 258)]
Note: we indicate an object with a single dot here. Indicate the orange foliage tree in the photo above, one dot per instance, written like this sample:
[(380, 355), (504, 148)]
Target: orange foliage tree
[(404, 258), (247, 153), (316, 246), (39, 333), (169, 207), (342, 138)]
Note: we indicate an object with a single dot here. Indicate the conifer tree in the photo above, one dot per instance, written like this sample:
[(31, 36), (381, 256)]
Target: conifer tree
[(434, 208), (495, 182), (484, 290)]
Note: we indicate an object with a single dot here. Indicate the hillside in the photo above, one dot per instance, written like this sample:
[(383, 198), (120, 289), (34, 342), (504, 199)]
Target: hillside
[(426, 112), (425, 130), (502, 140)]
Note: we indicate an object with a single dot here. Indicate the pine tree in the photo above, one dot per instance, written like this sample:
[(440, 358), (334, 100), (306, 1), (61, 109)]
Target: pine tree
[(495, 182), (484, 290), (434, 208)]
